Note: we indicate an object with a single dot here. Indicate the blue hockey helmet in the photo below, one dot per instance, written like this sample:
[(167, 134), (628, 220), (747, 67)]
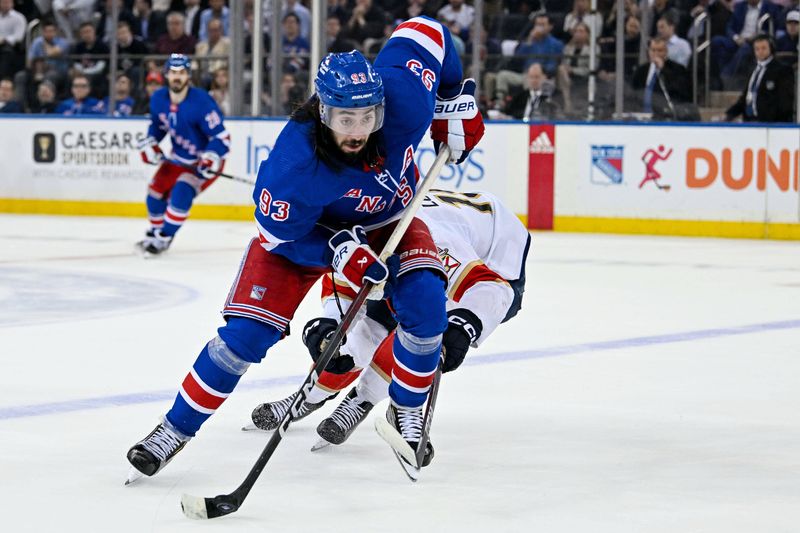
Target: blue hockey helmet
[(178, 62), (350, 94)]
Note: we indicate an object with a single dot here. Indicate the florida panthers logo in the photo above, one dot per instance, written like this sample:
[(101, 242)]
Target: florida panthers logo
[(451, 264)]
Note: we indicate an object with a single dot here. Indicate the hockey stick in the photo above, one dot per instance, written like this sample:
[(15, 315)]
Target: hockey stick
[(204, 508), (194, 168), (428, 420)]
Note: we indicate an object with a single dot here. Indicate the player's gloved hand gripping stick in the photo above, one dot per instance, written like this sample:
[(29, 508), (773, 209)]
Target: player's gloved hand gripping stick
[(208, 166), (204, 508)]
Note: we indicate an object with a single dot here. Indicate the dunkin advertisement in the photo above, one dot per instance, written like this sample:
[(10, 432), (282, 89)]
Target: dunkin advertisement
[(736, 174)]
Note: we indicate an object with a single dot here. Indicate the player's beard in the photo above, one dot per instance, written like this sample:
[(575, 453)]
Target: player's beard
[(177, 87), (350, 156)]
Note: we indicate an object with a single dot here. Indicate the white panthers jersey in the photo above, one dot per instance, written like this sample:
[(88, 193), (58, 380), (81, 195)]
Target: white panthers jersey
[(482, 244)]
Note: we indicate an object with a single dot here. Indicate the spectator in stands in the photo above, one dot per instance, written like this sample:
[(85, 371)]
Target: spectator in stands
[(659, 8), (129, 48), (663, 83), (295, 48), (460, 13), (105, 24), (80, 103), (45, 100), (219, 90), (302, 12), (536, 102), (633, 39), (366, 22), (292, 93), (678, 50), (413, 8), (610, 23), (335, 43), (458, 42), (175, 41), (7, 102), (152, 24), (216, 45), (787, 43), (51, 47), (124, 102), (192, 21), (87, 46), (581, 14), (573, 72), (12, 39), (540, 47), (729, 52), (718, 11), (152, 82), (216, 10), (69, 14), (768, 96)]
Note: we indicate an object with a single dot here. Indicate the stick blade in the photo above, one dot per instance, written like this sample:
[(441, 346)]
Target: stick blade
[(194, 507), (395, 440), (198, 508)]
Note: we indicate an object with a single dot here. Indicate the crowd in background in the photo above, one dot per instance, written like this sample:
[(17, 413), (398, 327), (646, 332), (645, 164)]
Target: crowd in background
[(534, 53)]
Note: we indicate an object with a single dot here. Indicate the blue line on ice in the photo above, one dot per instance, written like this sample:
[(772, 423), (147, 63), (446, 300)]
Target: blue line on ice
[(24, 411)]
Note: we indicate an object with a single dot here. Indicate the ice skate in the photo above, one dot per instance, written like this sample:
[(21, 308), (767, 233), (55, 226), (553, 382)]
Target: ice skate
[(154, 243), (268, 416), (402, 430), (151, 454), (338, 427)]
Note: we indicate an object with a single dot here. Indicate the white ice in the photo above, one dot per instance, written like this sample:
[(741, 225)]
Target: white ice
[(650, 384)]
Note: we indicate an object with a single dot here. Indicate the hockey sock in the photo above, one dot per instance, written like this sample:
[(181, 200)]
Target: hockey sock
[(155, 211), (213, 377), (415, 361), (329, 383), (180, 202), (373, 385)]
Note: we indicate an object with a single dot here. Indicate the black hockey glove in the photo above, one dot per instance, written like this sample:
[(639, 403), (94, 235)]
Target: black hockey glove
[(316, 335), (463, 328)]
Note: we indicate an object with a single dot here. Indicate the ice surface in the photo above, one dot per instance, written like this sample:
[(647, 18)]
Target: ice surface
[(648, 385)]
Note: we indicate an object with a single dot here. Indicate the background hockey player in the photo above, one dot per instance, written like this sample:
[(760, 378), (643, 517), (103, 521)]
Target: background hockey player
[(195, 125), (337, 167), (483, 247)]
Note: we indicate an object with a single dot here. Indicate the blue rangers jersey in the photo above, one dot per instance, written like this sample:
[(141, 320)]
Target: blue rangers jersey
[(300, 200), (194, 126)]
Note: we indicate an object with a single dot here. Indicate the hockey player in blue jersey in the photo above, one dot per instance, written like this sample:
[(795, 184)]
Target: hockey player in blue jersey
[(194, 123), (340, 174)]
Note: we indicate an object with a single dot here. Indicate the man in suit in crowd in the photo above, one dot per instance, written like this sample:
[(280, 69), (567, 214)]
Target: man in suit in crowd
[(536, 102), (768, 96), (730, 50), (664, 83)]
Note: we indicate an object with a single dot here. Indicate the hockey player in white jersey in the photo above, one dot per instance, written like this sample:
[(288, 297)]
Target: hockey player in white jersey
[(483, 246)]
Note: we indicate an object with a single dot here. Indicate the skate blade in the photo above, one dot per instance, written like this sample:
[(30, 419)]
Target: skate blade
[(133, 476), (321, 444), (411, 472), (252, 427)]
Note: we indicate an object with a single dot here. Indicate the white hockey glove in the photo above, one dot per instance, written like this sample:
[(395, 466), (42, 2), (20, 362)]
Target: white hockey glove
[(209, 165), (150, 151), (354, 260), (457, 122)]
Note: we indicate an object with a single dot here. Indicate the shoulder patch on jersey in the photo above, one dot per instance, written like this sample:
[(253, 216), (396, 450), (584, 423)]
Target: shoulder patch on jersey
[(408, 158)]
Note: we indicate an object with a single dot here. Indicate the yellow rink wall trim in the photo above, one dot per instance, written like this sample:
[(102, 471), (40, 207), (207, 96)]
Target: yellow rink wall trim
[(116, 209), (686, 228)]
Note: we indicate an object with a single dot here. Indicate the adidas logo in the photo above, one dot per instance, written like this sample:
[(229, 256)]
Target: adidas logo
[(542, 144)]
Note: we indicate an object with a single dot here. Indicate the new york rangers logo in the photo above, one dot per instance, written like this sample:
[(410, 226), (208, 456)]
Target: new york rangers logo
[(606, 164), (258, 292)]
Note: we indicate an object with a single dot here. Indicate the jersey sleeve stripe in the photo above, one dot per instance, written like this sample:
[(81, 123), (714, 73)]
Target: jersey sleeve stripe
[(425, 34)]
